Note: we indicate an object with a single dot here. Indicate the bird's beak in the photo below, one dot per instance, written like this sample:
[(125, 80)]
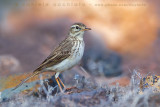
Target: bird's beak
[(86, 29)]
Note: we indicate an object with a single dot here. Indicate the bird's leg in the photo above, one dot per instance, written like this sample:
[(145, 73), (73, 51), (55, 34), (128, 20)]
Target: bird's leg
[(59, 84), (56, 78), (62, 83)]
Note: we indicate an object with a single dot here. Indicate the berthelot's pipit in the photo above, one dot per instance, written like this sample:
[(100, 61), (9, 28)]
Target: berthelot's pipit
[(65, 56)]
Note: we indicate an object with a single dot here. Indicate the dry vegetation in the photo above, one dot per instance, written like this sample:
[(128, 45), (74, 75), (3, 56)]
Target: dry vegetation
[(86, 93)]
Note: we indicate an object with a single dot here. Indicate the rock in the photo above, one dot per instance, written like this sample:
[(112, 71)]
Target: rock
[(152, 82), (101, 62), (8, 63), (34, 84), (123, 81)]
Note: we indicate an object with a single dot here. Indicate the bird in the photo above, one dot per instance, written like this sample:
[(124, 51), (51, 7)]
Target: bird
[(65, 56)]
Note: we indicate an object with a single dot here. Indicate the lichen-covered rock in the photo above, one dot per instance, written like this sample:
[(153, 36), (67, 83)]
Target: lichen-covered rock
[(152, 82), (7, 84)]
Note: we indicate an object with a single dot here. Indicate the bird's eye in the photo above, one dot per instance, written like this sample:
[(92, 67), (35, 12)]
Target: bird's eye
[(77, 27)]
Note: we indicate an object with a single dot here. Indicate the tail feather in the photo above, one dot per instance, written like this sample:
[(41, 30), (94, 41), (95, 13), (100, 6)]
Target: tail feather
[(32, 75)]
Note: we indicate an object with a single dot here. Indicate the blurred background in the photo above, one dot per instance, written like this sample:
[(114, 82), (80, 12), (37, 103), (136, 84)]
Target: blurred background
[(125, 36)]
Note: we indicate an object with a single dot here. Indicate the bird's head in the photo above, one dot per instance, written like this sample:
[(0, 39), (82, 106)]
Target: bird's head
[(78, 29)]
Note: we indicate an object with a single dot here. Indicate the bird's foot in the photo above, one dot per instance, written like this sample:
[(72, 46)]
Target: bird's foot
[(72, 90)]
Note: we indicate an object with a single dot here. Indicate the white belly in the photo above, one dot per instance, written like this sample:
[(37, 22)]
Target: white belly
[(69, 62)]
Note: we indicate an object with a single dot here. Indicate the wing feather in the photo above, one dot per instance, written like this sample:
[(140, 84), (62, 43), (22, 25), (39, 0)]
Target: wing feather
[(62, 52)]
